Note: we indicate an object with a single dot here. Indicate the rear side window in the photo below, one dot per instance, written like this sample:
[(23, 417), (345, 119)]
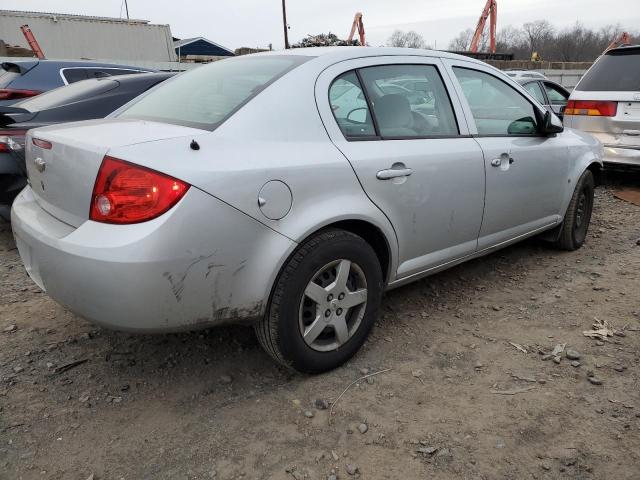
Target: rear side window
[(350, 108), (206, 96), (497, 108), (535, 91), (617, 71), (109, 72), (72, 75), (409, 101), (556, 95)]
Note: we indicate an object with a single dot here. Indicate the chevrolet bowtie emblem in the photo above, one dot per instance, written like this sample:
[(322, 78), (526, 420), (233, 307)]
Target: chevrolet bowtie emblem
[(40, 164)]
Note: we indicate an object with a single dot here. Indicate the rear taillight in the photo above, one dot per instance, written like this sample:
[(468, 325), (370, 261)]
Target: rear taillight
[(127, 193), (16, 93), (592, 108), (11, 140)]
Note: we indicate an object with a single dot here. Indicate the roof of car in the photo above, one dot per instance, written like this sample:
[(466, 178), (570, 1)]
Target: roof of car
[(345, 53), (75, 63)]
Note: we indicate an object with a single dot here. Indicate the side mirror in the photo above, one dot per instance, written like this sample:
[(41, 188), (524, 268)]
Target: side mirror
[(551, 124)]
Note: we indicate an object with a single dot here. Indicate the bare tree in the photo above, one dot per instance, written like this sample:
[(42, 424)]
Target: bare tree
[(462, 41), (538, 34), (573, 44), (410, 39)]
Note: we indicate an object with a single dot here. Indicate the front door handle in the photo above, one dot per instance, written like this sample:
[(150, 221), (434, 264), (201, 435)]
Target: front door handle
[(397, 171)]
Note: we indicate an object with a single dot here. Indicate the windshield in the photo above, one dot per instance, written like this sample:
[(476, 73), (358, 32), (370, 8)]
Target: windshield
[(617, 71), (67, 95), (206, 96)]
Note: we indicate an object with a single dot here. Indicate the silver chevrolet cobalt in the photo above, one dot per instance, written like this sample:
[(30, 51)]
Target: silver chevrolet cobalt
[(290, 190)]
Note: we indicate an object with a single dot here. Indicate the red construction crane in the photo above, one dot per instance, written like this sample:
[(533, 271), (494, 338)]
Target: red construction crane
[(357, 23), (623, 39), (31, 40), (490, 10)]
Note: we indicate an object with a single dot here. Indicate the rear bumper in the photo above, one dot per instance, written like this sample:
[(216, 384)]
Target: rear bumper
[(629, 156), (200, 264)]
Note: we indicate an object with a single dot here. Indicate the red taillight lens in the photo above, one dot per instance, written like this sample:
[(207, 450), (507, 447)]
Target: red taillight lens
[(592, 108), (127, 193), (15, 93)]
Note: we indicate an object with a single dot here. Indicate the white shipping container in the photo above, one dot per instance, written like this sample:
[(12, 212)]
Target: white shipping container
[(78, 37)]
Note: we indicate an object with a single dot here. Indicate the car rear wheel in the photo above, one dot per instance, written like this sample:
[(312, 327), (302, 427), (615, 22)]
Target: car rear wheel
[(324, 303), (576, 221)]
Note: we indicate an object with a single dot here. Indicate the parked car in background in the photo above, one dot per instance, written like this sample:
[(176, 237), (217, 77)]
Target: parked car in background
[(28, 78), (239, 192), (83, 100), (606, 103), (550, 94), (518, 74)]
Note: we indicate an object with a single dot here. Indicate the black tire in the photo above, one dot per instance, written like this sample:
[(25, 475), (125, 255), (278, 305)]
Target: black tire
[(575, 226), (279, 332)]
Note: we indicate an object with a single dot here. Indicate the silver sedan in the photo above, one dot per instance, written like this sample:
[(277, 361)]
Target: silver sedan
[(289, 190)]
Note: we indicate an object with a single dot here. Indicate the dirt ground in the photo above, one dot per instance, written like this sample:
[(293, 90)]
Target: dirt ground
[(459, 401)]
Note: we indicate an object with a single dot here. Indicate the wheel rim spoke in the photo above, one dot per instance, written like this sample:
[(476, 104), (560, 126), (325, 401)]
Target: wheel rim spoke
[(316, 293), (340, 327), (315, 329), (355, 298), (342, 275)]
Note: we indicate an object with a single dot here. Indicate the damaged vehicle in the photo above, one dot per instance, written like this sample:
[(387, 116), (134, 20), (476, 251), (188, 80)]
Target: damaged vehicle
[(251, 190)]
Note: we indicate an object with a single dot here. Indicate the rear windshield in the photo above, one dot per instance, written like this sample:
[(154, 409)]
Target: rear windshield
[(68, 94), (208, 95), (614, 72)]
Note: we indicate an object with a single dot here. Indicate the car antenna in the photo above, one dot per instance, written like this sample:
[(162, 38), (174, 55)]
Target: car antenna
[(194, 145)]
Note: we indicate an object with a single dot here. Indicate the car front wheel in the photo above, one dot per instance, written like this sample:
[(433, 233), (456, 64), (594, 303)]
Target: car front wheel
[(324, 303)]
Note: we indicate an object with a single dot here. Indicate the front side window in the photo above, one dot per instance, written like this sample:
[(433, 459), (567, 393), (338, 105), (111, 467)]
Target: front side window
[(409, 101), (206, 96), (497, 108), (535, 91), (555, 94), (350, 108)]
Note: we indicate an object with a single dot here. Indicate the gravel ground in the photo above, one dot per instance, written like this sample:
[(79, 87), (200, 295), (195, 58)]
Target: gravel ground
[(469, 387)]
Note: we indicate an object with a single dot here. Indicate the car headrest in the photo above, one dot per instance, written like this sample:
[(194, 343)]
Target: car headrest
[(393, 111)]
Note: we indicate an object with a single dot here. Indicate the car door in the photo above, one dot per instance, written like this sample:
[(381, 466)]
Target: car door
[(411, 152), (526, 171)]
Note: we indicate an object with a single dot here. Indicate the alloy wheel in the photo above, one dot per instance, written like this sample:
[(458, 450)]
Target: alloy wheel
[(333, 305)]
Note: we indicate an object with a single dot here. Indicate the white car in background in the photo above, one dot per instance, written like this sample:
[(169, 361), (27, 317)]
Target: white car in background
[(519, 74), (606, 104)]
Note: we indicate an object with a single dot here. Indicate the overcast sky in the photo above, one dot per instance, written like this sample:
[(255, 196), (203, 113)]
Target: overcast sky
[(251, 23)]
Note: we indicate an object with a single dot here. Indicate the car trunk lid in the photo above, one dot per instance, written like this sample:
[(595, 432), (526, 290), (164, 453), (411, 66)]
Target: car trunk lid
[(62, 169)]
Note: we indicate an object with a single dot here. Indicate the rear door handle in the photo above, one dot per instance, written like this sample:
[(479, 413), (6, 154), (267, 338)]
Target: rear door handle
[(394, 173), (497, 162)]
